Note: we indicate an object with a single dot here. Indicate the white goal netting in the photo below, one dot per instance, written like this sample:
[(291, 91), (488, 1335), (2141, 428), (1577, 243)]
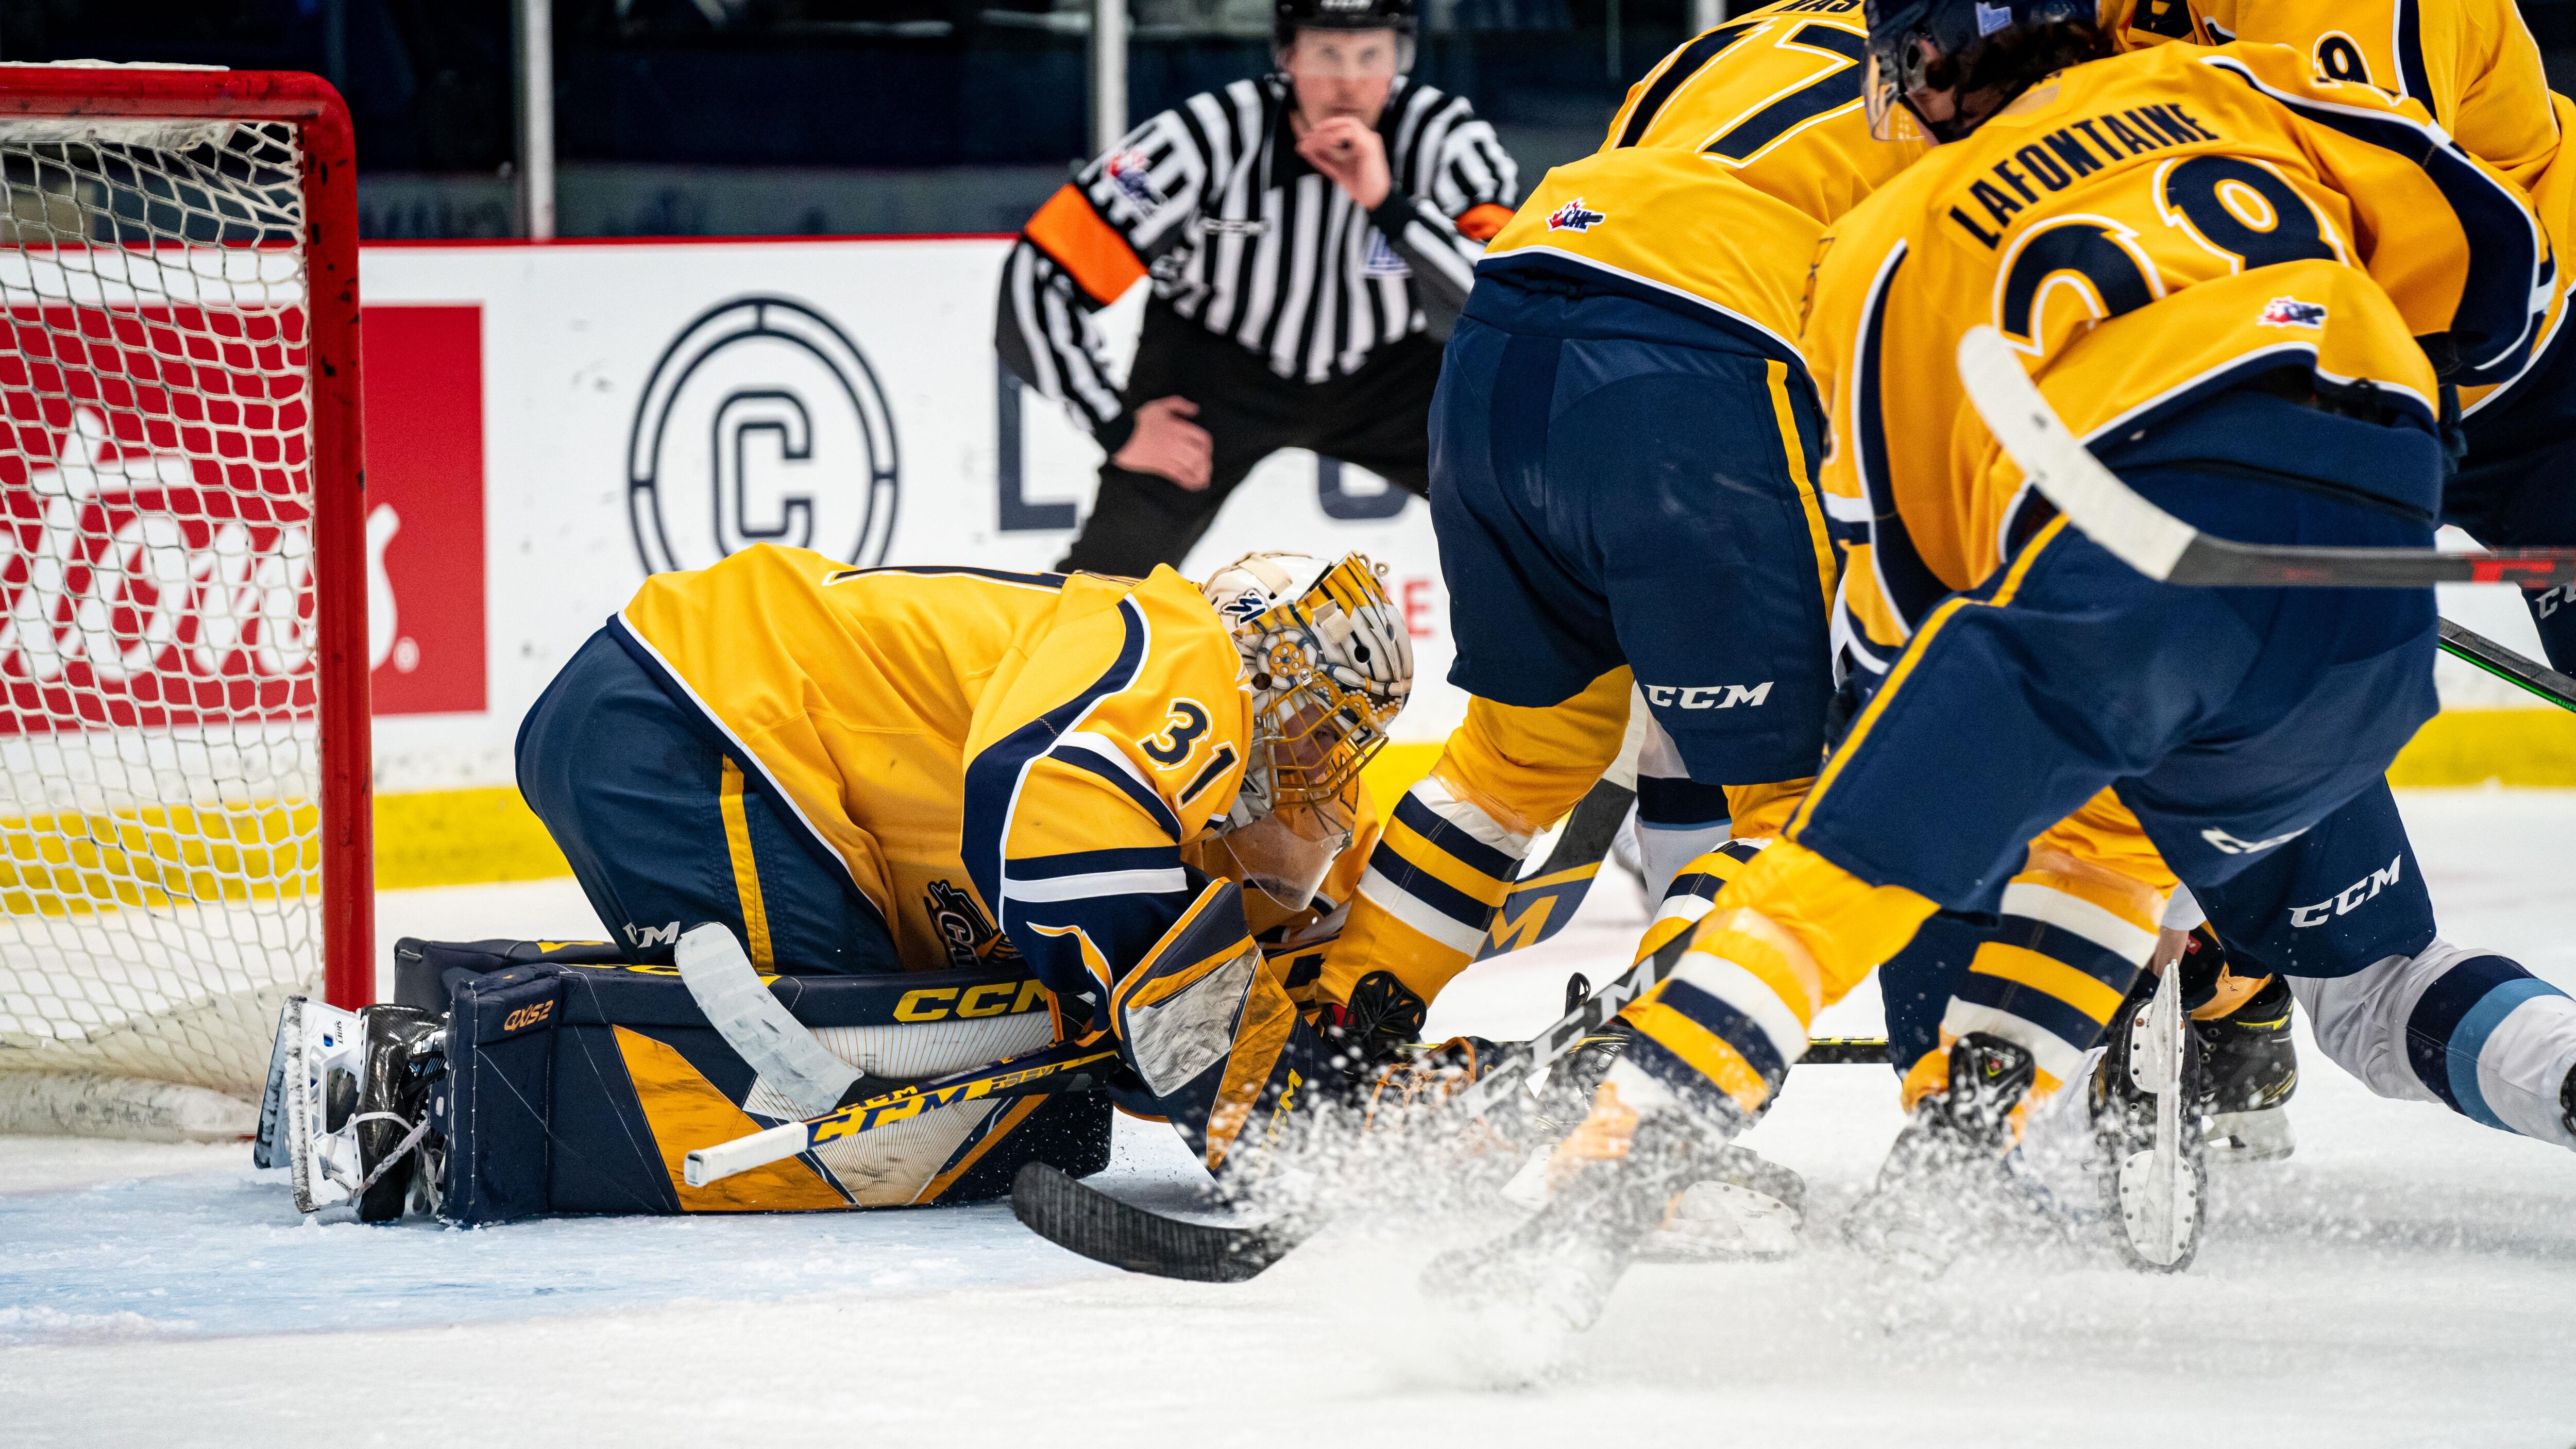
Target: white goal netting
[(160, 845)]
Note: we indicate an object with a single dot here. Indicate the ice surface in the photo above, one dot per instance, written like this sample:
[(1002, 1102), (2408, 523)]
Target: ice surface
[(2407, 1279)]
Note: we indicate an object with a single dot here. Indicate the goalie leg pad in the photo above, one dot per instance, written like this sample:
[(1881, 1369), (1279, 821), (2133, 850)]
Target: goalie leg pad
[(582, 1089)]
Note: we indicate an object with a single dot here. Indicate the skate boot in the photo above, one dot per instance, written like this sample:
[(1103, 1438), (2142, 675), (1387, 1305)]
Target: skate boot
[(357, 1106), (1626, 1171), (1944, 1182), (2249, 1068), (1744, 1207)]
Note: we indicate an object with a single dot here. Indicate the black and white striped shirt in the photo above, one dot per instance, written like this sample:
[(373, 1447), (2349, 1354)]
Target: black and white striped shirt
[(1239, 234)]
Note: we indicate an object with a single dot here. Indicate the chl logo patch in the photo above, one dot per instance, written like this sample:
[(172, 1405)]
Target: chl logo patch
[(2291, 312), (1575, 216), (1383, 259)]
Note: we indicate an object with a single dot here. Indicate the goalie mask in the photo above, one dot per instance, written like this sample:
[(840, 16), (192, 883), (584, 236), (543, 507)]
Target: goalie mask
[(1328, 661)]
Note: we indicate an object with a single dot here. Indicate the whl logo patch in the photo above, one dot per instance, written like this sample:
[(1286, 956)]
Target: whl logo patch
[(1574, 216), (2291, 312)]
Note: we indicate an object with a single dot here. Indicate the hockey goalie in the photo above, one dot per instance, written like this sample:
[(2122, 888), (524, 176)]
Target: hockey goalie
[(851, 829)]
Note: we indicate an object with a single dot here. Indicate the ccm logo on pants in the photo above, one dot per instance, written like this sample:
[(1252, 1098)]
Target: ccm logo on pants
[(1707, 696), (2342, 902)]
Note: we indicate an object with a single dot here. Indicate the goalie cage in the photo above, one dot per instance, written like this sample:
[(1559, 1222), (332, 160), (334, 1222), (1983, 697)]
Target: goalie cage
[(184, 828)]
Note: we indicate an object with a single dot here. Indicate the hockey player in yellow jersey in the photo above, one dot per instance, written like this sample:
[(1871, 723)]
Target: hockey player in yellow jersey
[(2474, 65), (1624, 450), (913, 769), (2216, 265), (2404, 1023)]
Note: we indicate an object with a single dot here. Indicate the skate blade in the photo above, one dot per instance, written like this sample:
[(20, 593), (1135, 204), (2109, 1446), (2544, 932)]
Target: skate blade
[(2161, 1239), (1566, 1289), (1723, 1222), (314, 1040), (2247, 1137)]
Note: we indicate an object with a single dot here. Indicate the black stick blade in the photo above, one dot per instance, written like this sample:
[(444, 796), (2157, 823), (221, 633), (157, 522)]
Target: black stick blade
[(1090, 1222)]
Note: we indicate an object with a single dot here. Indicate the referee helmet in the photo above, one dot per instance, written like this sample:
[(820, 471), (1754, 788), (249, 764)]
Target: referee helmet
[(1290, 16)]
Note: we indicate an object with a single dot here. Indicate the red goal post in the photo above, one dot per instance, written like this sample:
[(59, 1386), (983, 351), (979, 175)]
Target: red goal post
[(179, 276)]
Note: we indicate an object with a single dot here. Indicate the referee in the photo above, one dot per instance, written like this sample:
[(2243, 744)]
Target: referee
[(1311, 236)]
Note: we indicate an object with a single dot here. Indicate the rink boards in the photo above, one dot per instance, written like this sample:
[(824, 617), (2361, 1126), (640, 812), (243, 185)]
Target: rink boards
[(548, 424)]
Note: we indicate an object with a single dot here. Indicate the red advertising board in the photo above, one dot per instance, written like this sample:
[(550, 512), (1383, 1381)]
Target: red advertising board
[(155, 516), (424, 415)]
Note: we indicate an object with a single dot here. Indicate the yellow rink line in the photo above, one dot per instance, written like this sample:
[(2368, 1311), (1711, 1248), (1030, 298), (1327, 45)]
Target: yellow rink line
[(460, 837), (58, 865)]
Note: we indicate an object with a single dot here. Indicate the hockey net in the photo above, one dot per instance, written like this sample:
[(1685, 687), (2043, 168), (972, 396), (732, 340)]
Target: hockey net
[(183, 741)]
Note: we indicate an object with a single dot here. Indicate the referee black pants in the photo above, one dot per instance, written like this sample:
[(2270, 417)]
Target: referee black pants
[(1377, 418)]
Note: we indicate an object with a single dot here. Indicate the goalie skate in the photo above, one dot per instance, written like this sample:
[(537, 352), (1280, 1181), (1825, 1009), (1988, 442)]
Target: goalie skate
[(348, 1104)]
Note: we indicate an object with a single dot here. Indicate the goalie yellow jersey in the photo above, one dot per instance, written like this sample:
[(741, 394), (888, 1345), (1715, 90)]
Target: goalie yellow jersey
[(2146, 230), (1023, 751), (2472, 63), (1720, 170)]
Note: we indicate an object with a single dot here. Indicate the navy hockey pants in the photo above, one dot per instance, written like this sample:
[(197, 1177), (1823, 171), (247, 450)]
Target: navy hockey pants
[(2248, 729), (667, 825), (1617, 482)]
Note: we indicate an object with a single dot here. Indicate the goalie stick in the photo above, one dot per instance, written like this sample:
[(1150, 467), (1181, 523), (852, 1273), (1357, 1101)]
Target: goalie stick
[(2168, 550), (1082, 1219), (759, 1028), (1064, 1067)]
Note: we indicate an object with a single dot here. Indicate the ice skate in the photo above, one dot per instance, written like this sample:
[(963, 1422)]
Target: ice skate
[(1628, 1171), (2249, 1068), (357, 1113), (2142, 1089), (1745, 1207), (1945, 1182)]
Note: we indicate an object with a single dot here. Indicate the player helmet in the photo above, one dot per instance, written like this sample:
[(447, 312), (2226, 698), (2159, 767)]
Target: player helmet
[(1981, 53), (1287, 17), (1328, 660)]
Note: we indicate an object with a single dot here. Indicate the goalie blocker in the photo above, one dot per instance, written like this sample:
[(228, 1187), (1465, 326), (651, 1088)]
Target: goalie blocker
[(564, 1080)]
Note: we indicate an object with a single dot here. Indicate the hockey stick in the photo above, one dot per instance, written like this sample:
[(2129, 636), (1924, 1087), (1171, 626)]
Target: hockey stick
[(1064, 1067), (1538, 906), (756, 1024), (2165, 548), (1082, 1219), (2504, 664)]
